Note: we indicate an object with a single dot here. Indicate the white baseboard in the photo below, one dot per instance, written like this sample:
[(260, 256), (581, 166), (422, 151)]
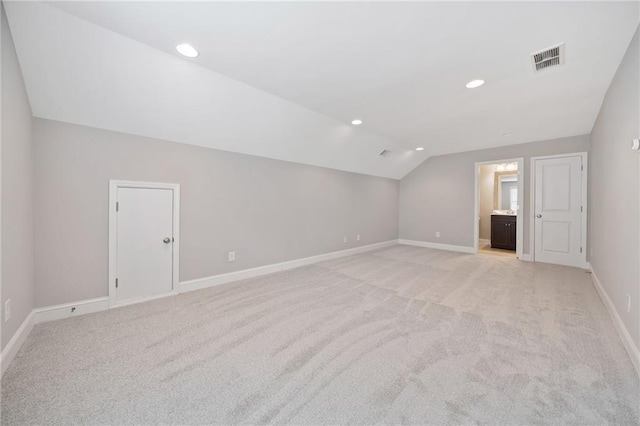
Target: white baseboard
[(626, 338), (143, 299), (244, 274), (527, 257), (448, 247), (56, 312), (484, 241), (12, 348)]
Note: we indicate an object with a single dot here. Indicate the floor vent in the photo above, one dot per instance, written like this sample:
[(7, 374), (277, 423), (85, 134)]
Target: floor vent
[(547, 58)]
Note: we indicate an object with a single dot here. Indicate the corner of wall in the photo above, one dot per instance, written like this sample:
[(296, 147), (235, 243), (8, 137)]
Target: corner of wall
[(17, 204)]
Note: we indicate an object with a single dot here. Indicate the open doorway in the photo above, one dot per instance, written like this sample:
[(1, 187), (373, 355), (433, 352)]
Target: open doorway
[(498, 212)]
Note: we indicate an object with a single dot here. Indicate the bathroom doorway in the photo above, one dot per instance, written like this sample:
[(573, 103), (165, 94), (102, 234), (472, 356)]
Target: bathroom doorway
[(498, 219)]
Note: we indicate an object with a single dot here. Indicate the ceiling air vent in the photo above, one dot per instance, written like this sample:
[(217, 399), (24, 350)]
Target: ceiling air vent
[(547, 58)]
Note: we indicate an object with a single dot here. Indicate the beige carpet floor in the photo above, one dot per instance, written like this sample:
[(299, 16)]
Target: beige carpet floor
[(403, 335)]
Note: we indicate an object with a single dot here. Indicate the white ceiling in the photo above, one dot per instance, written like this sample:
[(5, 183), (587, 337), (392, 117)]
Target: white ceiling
[(400, 67)]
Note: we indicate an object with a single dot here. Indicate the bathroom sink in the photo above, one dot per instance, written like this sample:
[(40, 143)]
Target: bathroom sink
[(505, 212)]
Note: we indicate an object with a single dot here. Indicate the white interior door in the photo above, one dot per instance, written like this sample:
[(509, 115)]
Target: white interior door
[(144, 259), (558, 211)]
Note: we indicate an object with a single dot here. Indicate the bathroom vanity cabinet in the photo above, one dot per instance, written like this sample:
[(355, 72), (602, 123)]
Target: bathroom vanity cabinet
[(503, 231)]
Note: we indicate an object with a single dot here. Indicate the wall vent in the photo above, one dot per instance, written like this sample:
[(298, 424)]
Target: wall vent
[(384, 152), (547, 58)]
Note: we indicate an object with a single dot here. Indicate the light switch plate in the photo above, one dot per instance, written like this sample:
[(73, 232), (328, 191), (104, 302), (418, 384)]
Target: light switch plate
[(7, 310)]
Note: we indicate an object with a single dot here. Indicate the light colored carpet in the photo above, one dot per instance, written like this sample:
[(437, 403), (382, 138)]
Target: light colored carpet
[(402, 335)]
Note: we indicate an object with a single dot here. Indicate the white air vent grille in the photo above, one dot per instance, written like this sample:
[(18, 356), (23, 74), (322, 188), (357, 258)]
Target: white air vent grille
[(547, 58)]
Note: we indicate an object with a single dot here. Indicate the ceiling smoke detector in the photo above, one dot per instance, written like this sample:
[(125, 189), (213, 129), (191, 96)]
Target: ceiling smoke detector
[(547, 58)]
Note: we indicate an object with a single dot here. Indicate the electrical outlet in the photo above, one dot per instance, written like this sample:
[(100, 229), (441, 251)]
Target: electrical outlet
[(344, 240), (628, 303), (438, 234), (7, 309), (232, 256), (358, 237)]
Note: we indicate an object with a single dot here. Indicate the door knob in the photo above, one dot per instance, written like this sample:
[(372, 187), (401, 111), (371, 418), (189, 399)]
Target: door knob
[(167, 240), (538, 216)]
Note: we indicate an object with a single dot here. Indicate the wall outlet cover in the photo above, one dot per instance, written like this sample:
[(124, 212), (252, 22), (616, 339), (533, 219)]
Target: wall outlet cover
[(232, 256)]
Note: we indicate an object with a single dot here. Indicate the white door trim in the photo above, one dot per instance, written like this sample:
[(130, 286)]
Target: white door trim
[(585, 203), (519, 216), (113, 195)]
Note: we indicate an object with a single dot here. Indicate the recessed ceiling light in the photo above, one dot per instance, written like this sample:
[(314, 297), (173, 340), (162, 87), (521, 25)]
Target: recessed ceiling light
[(356, 122), (187, 50), (474, 83), (419, 148)]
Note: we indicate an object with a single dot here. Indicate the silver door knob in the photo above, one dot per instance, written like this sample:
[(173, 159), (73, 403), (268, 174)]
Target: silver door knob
[(538, 216), (167, 240)]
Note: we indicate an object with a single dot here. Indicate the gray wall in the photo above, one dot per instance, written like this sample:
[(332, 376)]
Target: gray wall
[(17, 191), (268, 211), (439, 194), (614, 227)]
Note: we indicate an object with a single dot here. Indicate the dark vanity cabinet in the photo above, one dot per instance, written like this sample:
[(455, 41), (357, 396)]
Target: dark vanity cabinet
[(503, 232)]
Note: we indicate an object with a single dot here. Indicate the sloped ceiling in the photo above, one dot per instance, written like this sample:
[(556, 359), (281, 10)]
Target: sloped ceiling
[(284, 79)]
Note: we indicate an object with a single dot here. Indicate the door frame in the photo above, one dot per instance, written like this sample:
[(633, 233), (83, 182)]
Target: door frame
[(519, 215), (585, 202), (114, 185)]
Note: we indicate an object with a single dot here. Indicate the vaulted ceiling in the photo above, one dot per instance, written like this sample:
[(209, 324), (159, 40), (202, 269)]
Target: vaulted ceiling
[(285, 79)]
